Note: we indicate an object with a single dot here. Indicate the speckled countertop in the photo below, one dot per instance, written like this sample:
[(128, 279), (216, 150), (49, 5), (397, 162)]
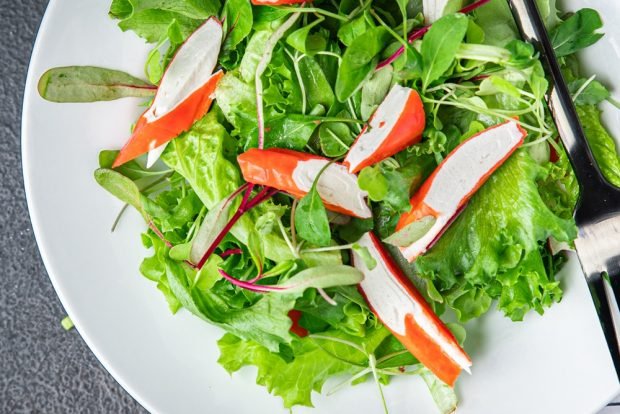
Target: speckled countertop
[(42, 367)]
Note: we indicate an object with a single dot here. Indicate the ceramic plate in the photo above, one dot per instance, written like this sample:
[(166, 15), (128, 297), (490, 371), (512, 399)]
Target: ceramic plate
[(556, 363)]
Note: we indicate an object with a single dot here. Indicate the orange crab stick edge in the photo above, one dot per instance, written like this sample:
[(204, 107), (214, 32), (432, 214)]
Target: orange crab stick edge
[(294, 172), (397, 123), (403, 310), (184, 95), (456, 179)]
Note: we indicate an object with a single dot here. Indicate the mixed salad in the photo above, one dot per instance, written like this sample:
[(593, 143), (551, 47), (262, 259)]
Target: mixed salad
[(324, 180)]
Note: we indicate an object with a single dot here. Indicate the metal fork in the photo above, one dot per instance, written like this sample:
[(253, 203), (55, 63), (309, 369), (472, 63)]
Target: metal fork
[(598, 211)]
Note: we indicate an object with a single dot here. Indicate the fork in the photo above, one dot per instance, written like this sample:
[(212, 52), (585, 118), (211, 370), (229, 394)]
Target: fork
[(598, 210)]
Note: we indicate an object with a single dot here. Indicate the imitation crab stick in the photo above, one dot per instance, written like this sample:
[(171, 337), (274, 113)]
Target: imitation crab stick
[(403, 310), (454, 181), (397, 123), (295, 172), (183, 97)]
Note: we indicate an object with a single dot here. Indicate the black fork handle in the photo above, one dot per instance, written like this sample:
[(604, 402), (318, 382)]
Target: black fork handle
[(559, 99)]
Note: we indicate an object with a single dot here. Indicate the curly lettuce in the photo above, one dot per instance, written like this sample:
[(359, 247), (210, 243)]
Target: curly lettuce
[(493, 250)]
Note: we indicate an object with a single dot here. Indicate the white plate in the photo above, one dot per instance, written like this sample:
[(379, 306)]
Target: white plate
[(555, 363)]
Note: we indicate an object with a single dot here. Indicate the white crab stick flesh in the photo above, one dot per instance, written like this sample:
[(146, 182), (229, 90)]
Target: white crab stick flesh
[(183, 96), (433, 10), (295, 172), (455, 180), (403, 310), (397, 123)]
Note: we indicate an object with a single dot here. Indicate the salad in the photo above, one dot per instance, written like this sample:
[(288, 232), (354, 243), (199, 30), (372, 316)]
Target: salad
[(340, 186)]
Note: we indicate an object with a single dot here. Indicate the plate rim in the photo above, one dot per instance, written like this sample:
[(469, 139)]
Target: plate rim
[(30, 89)]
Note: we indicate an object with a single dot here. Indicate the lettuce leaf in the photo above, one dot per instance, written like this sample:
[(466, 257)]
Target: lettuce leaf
[(200, 156), (493, 249), (601, 143), (266, 321), (294, 381)]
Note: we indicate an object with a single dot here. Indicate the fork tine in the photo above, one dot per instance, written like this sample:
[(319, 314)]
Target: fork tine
[(604, 310)]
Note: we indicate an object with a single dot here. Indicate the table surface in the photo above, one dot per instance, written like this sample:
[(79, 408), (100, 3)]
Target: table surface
[(43, 368)]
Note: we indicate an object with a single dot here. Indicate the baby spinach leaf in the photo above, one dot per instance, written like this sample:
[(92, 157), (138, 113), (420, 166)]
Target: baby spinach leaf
[(318, 89), (305, 42), (359, 61), (440, 45), (375, 90), (311, 219), (372, 180), (335, 138), (577, 32), (238, 21), (91, 84), (121, 187)]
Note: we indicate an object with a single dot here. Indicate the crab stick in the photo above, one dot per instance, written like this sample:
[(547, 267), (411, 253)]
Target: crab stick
[(433, 10), (445, 193), (295, 172), (397, 123), (402, 309), (184, 95)]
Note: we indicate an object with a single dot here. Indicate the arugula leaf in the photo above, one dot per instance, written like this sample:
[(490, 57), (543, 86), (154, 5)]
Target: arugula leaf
[(502, 225), (359, 61), (601, 143), (440, 45), (577, 32), (91, 84)]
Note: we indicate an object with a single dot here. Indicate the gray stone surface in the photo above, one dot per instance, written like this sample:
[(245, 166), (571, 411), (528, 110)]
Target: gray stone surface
[(43, 369)]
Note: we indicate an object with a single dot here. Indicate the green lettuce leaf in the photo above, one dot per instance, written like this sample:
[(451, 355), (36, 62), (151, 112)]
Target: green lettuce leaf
[(200, 155), (294, 381), (490, 250), (266, 321), (601, 143)]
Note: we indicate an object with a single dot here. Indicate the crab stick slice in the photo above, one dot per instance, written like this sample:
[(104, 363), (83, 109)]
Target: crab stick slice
[(183, 97), (403, 310), (433, 10), (397, 123), (295, 172), (445, 193)]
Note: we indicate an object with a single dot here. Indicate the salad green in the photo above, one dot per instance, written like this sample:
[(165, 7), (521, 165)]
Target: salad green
[(307, 77)]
